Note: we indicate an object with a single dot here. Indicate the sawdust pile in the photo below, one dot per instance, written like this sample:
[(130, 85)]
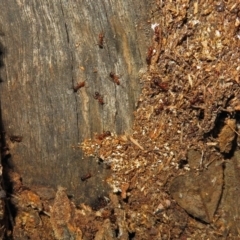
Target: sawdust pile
[(189, 101)]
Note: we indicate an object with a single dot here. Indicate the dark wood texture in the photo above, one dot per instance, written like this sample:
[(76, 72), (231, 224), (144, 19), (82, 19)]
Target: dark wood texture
[(51, 46)]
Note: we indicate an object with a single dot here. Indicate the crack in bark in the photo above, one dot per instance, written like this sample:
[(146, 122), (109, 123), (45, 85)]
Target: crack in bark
[(72, 67)]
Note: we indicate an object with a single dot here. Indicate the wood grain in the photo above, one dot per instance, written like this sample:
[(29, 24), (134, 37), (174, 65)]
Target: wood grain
[(51, 46)]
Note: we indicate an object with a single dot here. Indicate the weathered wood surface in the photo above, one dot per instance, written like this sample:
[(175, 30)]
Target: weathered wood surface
[(50, 46)]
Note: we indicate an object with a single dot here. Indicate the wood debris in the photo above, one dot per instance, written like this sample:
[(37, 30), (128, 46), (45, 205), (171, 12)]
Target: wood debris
[(190, 100)]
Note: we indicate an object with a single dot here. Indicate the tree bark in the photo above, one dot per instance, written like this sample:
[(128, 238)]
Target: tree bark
[(49, 47)]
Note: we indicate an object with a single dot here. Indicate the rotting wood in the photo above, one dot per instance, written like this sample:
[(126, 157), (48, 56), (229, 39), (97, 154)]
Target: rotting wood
[(52, 47)]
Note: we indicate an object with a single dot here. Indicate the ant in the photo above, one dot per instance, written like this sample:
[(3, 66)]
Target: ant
[(14, 138), (156, 33), (196, 99), (159, 109), (85, 177), (149, 55), (99, 97), (114, 77), (78, 86), (155, 81), (104, 135), (162, 85), (100, 40)]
